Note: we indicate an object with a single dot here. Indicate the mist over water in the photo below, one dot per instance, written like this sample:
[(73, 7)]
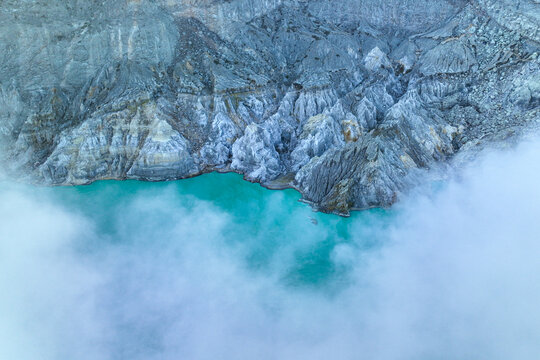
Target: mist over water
[(218, 268)]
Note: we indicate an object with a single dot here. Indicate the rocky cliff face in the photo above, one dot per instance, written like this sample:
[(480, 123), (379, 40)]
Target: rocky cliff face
[(343, 100)]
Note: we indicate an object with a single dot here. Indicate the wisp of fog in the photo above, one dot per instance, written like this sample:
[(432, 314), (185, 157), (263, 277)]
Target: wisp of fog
[(450, 274)]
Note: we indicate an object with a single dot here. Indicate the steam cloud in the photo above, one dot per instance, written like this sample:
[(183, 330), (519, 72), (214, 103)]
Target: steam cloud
[(457, 276)]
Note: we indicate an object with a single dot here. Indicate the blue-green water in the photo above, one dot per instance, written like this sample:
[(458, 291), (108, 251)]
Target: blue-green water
[(261, 223)]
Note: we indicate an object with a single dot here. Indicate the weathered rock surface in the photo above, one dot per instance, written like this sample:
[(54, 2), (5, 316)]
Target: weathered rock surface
[(343, 100)]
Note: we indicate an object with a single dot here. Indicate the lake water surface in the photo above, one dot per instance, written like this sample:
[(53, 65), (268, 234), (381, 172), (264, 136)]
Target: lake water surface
[(262, 223)]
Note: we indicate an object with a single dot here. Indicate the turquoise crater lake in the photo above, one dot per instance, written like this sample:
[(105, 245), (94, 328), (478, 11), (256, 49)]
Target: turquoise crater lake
[(264, 226)]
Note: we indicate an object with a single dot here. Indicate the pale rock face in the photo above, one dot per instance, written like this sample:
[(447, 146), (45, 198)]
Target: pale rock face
[(376, 60), (343, 100), (164, 153), (254, 155), (320, 133), (224, 133), (310, 104), (367, 114)]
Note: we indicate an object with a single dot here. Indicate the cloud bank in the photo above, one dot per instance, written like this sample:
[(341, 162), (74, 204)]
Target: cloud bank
[(455, 275)]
